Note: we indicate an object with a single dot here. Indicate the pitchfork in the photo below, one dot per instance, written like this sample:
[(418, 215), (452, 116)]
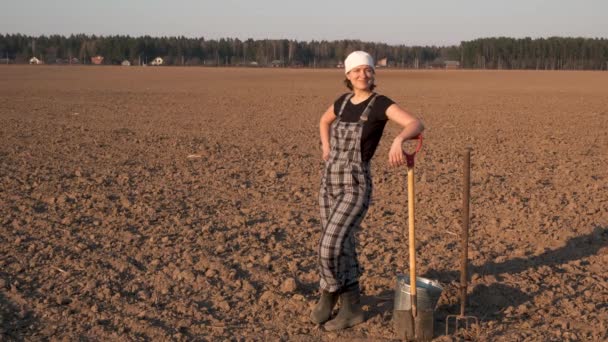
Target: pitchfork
[(467, 321)]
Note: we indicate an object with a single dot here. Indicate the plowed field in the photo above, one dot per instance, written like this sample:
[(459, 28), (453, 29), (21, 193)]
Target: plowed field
[(181, 203)]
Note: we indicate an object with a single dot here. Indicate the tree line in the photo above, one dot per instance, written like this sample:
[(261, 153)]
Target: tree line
[(555, 53)]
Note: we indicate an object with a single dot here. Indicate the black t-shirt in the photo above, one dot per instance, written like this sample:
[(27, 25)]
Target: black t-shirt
[(373, 127)]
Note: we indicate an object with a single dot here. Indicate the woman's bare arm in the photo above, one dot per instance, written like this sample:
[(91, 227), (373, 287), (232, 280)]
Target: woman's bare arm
[(412, 127), (324, 125)]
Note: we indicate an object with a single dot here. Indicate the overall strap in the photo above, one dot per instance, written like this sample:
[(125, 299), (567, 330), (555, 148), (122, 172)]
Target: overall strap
[(346, 99), (368, 109)]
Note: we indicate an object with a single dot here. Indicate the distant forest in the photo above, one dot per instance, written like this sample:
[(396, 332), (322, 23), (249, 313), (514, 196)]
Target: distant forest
[(555, 53)]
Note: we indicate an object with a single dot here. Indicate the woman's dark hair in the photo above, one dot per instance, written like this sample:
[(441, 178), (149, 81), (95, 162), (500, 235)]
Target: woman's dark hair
[(349, 85)]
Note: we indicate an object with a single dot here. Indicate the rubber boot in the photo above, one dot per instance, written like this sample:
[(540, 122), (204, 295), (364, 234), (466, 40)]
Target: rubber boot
[(322, 311), (350, 313)]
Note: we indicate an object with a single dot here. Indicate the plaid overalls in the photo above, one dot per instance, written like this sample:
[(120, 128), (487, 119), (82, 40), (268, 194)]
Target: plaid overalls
[(344, 198)]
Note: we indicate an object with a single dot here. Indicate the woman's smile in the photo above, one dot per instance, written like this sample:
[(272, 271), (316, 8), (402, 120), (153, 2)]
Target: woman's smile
[(362, 76)]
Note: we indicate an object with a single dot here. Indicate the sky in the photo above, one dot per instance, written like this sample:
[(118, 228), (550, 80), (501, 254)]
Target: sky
[(391, 21)]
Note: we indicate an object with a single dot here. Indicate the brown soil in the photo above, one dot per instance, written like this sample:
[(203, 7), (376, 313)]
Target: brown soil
[(181, 203)]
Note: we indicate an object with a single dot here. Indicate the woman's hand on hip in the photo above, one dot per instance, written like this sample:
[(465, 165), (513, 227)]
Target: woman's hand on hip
[(326, 150)]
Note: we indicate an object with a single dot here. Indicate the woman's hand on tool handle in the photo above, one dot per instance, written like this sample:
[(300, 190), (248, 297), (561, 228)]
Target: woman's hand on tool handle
[(324, 126), (412, 127)]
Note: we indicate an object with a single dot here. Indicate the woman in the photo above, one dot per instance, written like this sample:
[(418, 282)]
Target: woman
[(350, 130)]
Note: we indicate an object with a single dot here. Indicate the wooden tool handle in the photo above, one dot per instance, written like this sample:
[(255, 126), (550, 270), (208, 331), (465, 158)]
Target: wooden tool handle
[(412, 237)]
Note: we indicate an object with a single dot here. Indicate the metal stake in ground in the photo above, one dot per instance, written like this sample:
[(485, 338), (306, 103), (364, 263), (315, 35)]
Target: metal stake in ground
[(466, 320)]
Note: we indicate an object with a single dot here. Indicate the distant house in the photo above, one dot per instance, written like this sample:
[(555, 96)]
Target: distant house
[(157, 61), (125, 63), (438, 63), (74, 60), (193, 61), (296, 64), (66, 61), (382, 62), (340, 65), (97, 60), (277, 63), (452, 64), (35, 61)]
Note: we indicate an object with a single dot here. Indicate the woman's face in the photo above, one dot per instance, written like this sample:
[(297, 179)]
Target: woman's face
[(361, 77)]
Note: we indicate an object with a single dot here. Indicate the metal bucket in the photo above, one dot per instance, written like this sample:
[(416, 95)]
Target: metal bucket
[(421, 327), (428, 292)]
